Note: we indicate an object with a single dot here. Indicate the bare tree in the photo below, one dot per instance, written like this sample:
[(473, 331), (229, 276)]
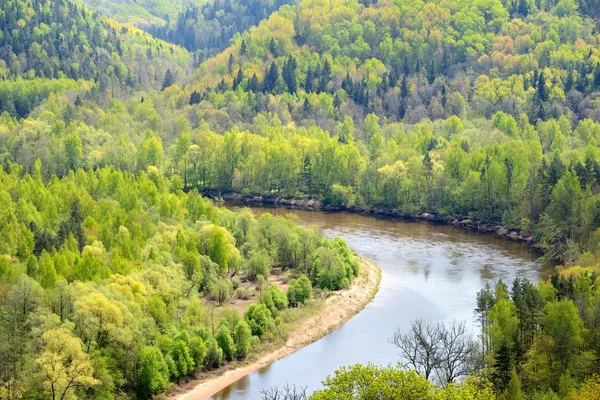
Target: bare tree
[(286, 393), (420, 346), (449, 352), (458, 355)]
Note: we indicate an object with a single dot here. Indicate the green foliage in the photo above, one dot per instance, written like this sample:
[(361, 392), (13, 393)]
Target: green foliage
[(242, 338), (153, 373), (259, 319), (371, 382), (275, 300), (225, 342), (299, 291), (214, 354), (118, 264)]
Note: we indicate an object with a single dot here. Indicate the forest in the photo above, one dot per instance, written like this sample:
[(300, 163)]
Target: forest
[(115, 115)]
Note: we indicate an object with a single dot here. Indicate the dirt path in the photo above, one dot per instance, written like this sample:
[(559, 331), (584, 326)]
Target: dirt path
[(338, 309)]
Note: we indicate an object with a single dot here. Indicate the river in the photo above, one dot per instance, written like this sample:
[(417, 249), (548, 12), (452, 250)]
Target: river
[(428, 271)]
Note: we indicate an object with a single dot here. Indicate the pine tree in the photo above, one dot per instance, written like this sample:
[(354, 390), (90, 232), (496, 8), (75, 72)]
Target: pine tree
[(308, 82), (569, 81), (597, 77), (289, 74), (523, 9), (168, 80), (243, 48), (306, 107), (230, 63), (542, 91), (273, 48), (271, 77), (238, 79), (252, 85), (404, 88)]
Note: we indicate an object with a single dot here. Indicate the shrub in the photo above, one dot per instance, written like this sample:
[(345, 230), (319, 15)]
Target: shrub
[(214, 354), (243, 339), (225, 341), (299, 291), (242, 294), (259, 319), (275, 300), (197, 350), (221, 290), (153, 373), (258, 264)]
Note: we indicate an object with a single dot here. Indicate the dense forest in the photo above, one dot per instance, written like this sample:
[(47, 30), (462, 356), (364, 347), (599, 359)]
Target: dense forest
[(118, 266), (52, 46), (116, 275), (206, 29)]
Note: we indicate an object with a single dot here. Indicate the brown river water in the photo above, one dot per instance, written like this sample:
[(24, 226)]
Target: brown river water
[(428, 271)]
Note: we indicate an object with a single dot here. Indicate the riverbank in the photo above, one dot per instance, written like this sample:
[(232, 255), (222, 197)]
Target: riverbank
[(469, 223), (338, 308)]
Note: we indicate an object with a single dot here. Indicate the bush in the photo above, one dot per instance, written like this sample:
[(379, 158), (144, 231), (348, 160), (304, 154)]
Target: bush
[(341, 196), (243, 339), (153, 373), (334, 268), (214, 354), (221, 290), (259, 319), (259, 264), (197, 350), (275, 300), (180, 354), (225, 341), (242, 294), (236, 282), (299, 291)]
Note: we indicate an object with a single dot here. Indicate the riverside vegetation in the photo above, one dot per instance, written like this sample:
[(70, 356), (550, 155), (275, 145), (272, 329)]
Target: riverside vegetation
[(483, 108)]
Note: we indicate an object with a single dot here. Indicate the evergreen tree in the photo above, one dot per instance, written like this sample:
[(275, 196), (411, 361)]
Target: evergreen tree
[(308, 82), (271, 77), (168, 80), (542, 91), (238, 79)]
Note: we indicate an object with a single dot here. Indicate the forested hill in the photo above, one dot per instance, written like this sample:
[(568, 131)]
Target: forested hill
[(207, 28), (138, 12), (413, 60), (48, 45)]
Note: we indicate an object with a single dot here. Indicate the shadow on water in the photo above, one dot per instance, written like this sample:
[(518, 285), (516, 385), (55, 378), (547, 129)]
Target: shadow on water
[(428, 271)]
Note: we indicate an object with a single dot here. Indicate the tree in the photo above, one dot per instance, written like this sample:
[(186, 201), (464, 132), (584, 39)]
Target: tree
[(214, 354), (449, 352), (242, 338), (563, 324), (299, 291), (270, 80), (168, 80), (458, 354), (420, 347), (259, 319), (275, 300), (152, 373), (63, 364), (226, 343), (286, 393), (371, 382)]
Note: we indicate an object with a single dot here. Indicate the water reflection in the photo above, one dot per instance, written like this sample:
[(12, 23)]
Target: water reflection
[(428, 271)]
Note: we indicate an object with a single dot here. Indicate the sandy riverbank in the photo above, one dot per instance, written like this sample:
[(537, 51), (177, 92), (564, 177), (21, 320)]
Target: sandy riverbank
[(339, 308)]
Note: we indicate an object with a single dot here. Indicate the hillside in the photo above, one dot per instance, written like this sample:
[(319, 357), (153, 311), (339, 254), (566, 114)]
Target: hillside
[(139, 13), (485, 109), (51, 45), (207, 28)]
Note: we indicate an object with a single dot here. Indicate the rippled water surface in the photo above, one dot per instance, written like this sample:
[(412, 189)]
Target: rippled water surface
[(428, 271)]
